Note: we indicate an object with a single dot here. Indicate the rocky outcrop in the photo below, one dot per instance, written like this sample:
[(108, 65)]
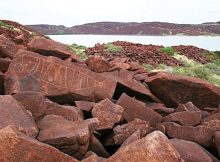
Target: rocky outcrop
[(100, 110), (131, 28)]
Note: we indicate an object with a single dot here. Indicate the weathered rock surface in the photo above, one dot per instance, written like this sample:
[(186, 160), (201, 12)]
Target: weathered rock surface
[(134, 109), (174, 89), (71, 137), (217, 141), (16, 147), (185, 118), (39, 106), (163, 111), (13, 113), (191, 151), (107, 113), (122, 132), (215, 116), (54, 77), (1, 83), (134, 137), (199, 134), (92, 157), (97, 64), (155, 147), (4, 64), (49, 47), (85, 105), (7, 47)]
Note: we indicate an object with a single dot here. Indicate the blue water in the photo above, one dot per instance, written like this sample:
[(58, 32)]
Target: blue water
[(206, 42)]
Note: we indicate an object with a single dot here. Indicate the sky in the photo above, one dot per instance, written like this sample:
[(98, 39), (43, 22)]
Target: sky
[(76, 12)]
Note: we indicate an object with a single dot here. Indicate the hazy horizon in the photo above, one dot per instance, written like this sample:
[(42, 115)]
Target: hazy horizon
[(70, 13)]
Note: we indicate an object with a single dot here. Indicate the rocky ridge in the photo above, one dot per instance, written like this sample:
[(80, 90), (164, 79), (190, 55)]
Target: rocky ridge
[(56, 107)]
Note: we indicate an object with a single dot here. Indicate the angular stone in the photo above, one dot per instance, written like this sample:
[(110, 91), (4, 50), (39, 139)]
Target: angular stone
[(4, 64), (1, 83), (215, 116), (107, 113), (53, 77), (71, 137), (92, 157), (97, 64), (174, 89), (39, 106), (122, 132), (164, 111), (191, 151), (13, 113), (134, 137), (85, 105), (16, 147), (48, 47), (217, 141), (189, 106), (155, 147), (185, 118), (96, 146), (134, 109), (7, 47), (199, 134)]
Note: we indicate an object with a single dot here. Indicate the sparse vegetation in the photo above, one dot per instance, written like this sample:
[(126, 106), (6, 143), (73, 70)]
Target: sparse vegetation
[(5, 25), (148, 67), (113, 48), (209, 72), (168, 50), (79, 50)]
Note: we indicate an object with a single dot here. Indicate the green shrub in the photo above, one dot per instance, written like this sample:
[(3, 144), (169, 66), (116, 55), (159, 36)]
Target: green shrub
[(217, 53), (79, 50), (3, 24), (113, 48), (148, 67), (168, 50)]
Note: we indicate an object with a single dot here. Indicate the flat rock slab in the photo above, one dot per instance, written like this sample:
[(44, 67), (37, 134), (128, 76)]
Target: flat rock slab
[(192, 152), (155, 147), (40, 106), (16, 147), (189, 106), (174, 89), (107, 113), (13, 113), (48, 47), (122, 132), (199, 134), (185, 118), (134, 109), (7, 47), (53, 77), (71, 137)]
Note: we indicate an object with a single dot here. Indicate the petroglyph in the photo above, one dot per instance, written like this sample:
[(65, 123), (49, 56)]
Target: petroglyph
[(52, 72)]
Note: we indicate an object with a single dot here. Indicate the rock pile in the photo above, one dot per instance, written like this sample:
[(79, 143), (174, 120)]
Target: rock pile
[(139, 53), (59, 109)]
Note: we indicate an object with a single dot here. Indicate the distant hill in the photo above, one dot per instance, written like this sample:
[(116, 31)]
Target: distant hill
[(132, 28)]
